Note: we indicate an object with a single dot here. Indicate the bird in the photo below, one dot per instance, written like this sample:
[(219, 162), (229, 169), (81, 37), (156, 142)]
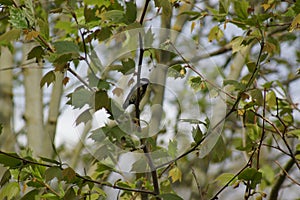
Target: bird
[(132, 96)]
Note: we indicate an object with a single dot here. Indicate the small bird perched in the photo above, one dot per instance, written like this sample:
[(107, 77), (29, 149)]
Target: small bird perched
[(132, 96)]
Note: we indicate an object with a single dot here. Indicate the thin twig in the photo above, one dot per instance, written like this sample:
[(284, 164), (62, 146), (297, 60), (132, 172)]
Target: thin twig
[(190, 66), (287, 174), (281, 135), (233, 108), (137, 109), (276, 187), (26, 161), (80, 79), (83, 42), (248, 164), (197, 183), (144, 11), (263, 131)]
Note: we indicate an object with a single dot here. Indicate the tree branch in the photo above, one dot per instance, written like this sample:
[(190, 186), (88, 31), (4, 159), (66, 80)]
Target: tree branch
[(27, 161), (280, 180), (144, 11)]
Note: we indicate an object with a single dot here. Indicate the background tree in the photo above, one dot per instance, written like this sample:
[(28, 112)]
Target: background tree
[(220, 113)]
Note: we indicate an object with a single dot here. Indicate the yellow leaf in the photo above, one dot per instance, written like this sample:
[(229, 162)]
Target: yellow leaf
[(215, 34), (193, 26), (295, 23), (182, 72), (236, 44), (175, 174), (31, 34), (240, 112), (265, 6)]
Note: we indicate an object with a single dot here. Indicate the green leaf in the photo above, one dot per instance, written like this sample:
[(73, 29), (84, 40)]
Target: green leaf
[(48, 160), (197, 134), (95, 61), (224, 6), (139, 165), (53, 172), (241, 8), (127, 66), (61, 62), (172, 148), (251, 66), (215, 34), (9, 36), (268, 85), (105, 3), (49, 196), (36, 52), (195, 82), (48, 78), (97, 135), (64, 47), (9, 161), (69, 174), (131, 11), (253, 131), (17, 18), (218, 153), (116, 16), (9, 191), (177, 71), (251, 174), (70, 194), (103, 85), (257, 96), (271, 99), (268, 173), (89, 14), (104, 33), (295, 132), (224, 178), (84, 117), (5, 177), (6, 2), (65, 26), (148, 39), (237, 44), (81, 97), (123, 184), (44, 28), (101, 168), (295, 23), (169, 196), (237, 86), (296, 7), (29, 12), (31, 195), (166, 5), (102, 100), (175, 174)]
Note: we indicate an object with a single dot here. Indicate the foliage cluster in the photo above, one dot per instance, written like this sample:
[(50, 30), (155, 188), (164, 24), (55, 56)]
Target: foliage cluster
[(258, 148)]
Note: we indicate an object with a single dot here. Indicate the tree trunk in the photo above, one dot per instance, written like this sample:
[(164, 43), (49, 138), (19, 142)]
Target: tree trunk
[(53, 113), (7, 138), (38, 140)]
